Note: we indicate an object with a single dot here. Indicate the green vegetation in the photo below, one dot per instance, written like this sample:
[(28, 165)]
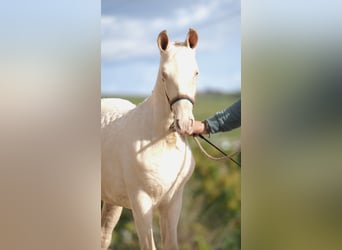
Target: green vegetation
[(211, 217)]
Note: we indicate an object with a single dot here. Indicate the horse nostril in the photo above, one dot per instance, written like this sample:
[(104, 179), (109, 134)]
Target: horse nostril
[(177, 124)]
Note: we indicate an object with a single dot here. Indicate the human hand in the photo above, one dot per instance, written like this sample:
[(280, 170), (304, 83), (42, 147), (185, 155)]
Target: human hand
[(199, 127)]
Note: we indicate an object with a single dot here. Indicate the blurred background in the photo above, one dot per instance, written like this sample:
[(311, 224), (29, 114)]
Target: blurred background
[(210, 216), (50, 88)]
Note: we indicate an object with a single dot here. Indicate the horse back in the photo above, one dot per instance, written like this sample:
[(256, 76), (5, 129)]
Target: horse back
[(113, 108)]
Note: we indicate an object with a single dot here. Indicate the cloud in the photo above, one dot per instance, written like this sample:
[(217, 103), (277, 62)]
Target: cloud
[(132, 37), (192, 15), (124, 38), (129, 50)]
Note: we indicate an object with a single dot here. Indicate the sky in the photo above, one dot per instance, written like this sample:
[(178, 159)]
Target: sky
[(129, 52)]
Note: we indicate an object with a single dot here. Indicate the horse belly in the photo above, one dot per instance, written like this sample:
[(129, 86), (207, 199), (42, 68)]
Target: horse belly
[(113, 188)]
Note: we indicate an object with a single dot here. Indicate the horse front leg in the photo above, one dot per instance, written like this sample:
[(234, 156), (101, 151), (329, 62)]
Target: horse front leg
[(169, 216), (142, 208), (109, 218)]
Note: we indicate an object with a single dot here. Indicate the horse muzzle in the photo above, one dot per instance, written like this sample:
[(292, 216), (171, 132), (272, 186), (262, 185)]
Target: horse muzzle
[(184, 126), (181, 106)]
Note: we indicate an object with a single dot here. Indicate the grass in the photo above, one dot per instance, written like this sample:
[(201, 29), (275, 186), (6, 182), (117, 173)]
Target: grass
[(207, 104)]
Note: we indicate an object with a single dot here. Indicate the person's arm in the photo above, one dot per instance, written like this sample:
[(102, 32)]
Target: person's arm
[(226, 120), (222, 121)]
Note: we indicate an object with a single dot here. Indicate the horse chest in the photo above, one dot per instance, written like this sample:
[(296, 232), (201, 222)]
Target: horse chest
[(162, 169)]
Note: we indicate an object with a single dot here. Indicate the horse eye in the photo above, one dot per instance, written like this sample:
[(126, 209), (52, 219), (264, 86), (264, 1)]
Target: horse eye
[(196, 73)]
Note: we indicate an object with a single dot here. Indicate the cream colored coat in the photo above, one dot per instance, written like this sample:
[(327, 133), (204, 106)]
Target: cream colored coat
[(145, 165)]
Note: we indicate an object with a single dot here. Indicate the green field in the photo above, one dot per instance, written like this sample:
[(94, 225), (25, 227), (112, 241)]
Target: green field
[(210, 216), (206, 105)]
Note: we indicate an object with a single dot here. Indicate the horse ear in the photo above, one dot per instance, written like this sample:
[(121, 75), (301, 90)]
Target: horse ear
[(191, 38), (163, 40)]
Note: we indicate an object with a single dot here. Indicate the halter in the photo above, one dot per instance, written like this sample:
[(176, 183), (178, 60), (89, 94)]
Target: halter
[(178, 98)]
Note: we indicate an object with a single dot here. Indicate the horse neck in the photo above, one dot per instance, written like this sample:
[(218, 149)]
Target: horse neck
[(162, 114)]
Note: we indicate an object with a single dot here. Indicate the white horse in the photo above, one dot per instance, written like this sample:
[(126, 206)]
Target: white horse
[(145, 164)]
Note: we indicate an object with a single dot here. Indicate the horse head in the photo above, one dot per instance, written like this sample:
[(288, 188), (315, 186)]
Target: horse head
[(178, 72)]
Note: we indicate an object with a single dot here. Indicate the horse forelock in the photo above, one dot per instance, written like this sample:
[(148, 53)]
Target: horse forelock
[(178, 43)]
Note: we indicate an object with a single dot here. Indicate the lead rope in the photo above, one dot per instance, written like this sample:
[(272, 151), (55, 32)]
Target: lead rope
[(225, 157)]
